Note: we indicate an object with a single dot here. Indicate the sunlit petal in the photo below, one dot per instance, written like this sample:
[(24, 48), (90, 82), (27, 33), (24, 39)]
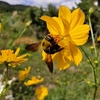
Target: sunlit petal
[(52, 25), (2, 59), (60, 23), (24, 73), (66, 26), (17, 51), (78, 18), (41, 92), (44, 55), (79, 35), (76, 54), (64, 13), (33, 81), (62, 62)]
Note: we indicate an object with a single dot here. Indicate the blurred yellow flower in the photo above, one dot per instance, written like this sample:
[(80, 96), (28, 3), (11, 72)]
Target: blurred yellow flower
[(11, 58), (84, 73), (88, 82), (98, 39), (0, 27), (33, 81), (91, 47), (24, 73), (41, 92), (69, 31)]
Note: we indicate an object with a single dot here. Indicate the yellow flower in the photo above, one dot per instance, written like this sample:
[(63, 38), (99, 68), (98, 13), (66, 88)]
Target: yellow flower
[(11, 58), (0, 26), (84, 73), (69, 31), (91, 47), (88, 82), (41, 92), (24, 73), (98, 39), (33, 81)]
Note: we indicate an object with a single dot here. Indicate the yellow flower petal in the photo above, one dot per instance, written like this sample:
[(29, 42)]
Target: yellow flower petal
[(78, 18), (33, 81), (44, 55), (76, 54), (41, 92), (17, 51), (2, 59), (79, 35), (98, 39), (24, 73), (64, 13), (62, 62), (0, 26), (60, 23), (66, 26), (52, 25)]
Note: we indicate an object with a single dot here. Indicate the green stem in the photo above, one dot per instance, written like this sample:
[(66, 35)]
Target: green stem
[(93, 41), (87, 57), (20, 35), (94, 76), (95, 84), (22, 32), (4, 91)]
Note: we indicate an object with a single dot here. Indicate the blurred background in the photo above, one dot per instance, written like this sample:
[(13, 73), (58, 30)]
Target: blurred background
[(14, 15)]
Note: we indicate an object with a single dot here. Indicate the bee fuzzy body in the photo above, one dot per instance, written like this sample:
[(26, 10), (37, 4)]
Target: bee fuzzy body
[(50, 46)]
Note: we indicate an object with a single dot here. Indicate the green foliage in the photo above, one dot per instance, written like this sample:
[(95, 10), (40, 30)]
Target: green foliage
[(6, 7), (11, 28), (51, 10), (38, 25), (21, 90)]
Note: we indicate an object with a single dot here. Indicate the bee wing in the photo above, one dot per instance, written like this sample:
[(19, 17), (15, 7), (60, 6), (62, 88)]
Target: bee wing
[(33, 47), (49, 62)]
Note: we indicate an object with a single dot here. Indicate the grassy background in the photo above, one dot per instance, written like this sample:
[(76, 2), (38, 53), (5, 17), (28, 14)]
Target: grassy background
[(71, 84)]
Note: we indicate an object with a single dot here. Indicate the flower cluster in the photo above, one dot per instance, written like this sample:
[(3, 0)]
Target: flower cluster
[(9, 57), (69, 31)]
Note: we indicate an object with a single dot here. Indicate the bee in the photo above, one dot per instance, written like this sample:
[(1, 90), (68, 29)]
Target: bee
[(50, 46)]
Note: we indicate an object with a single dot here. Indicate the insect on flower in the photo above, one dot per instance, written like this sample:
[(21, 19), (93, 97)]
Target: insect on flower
[(49, 45)]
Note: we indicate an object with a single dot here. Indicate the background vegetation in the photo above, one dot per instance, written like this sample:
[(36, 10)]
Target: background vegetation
[(71, 84)]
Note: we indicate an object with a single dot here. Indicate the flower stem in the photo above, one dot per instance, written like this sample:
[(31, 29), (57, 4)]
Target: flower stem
[(20, 35), (22, 32), (95, 84), (95, 51), (4, 90), (94, 90), (87, 57), (93, 41)]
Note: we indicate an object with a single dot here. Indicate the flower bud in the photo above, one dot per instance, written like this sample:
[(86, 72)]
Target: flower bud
[(91, 10), (28, 23)]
